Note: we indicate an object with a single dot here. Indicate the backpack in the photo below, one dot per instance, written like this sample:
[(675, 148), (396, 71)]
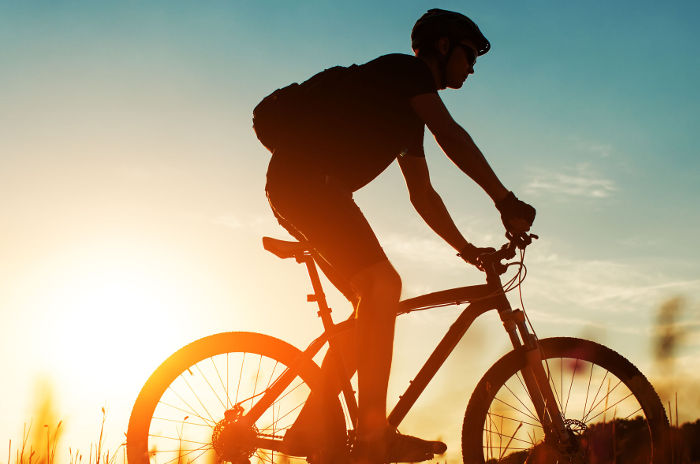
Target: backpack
[(287, 113), (272, 117)]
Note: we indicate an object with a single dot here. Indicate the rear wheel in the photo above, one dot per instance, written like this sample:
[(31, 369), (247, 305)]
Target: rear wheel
[(611, 411), (193, 407)]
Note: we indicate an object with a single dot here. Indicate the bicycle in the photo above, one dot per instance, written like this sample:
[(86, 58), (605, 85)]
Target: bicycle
[(233, 396)]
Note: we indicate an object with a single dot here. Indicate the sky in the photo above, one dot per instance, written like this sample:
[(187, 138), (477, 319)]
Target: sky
[(132, 189)]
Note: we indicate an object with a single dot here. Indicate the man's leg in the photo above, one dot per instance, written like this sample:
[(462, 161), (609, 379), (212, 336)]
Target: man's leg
[(328, 218), (379, 287)]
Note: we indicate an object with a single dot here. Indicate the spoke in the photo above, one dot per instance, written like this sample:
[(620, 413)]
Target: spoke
[(180, 421), (512, 437), (489, 426), (489, 422), (605, 398), (196, 396), (532, 438), (633, 412), (250, 398), (162, 451), (272, 374), (509, 441), (280, 418), (529, 413), (274, 423), (198, 456), (240, 376), (516, 409), (588, 389), (538, 425), (500, 433), (178, 439), (568, 395), (210, 385), (602, 381), (516, 448), (257, 376), (611, 406), (180, 456), (228, 400), (264, 456), (552, 382), (290, 391), (188, 412)]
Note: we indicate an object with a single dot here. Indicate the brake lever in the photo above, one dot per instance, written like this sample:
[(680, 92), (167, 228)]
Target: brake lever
[(521, 240), (507, 251)]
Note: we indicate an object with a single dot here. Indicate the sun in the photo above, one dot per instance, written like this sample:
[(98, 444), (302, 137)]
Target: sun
[(117, 312)]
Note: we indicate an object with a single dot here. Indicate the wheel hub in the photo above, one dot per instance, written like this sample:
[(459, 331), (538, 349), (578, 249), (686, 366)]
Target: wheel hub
[(233, 440), (573, 451)]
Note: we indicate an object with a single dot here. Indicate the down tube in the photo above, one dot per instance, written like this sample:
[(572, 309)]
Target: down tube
[(437, 359)]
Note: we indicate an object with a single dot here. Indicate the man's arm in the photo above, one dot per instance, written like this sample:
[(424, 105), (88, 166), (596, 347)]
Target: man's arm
[(457, 144), (428, 203)]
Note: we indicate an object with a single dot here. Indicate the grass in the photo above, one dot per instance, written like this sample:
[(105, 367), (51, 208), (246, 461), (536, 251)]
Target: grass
[(41, 449), (685, 439), (39, 444)]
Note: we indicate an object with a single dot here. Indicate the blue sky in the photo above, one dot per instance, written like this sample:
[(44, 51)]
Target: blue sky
[(128, 165)]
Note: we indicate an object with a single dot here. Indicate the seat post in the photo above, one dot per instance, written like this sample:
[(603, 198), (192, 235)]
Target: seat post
[(324, 312)]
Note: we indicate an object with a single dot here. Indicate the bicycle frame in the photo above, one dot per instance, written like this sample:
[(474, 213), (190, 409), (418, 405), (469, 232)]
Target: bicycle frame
[(481, 299)]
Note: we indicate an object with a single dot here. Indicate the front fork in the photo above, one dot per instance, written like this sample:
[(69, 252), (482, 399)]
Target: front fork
[(535, 376)]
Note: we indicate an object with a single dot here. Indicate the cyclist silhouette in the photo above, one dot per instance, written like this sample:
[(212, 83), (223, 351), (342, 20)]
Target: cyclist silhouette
[(333, 134)]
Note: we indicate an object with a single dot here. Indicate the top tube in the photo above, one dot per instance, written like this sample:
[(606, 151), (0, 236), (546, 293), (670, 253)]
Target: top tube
[(453, 296)]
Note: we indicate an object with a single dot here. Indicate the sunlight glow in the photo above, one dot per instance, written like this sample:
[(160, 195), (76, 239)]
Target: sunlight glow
[(115, 311)]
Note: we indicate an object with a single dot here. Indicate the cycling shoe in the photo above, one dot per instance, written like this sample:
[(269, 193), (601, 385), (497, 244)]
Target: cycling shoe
[(398, 448)]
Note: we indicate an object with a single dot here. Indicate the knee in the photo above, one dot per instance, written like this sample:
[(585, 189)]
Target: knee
[(390, 282), (380, 281)]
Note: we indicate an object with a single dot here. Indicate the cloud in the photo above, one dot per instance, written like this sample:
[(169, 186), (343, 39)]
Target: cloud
[(580, 181), (602, 150), (607, 285)]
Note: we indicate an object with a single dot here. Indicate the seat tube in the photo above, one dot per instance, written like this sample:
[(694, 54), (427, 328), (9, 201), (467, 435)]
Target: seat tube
[(324, 312)]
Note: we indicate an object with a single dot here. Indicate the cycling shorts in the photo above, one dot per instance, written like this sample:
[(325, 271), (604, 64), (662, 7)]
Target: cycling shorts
[(315, 209)]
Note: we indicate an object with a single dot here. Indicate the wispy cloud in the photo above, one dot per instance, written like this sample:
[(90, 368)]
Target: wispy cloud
[(581, 181), (602, 150), (602, 286)]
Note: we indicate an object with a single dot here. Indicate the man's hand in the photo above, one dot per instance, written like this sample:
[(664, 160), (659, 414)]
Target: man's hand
[(517, 216), (471, 254)]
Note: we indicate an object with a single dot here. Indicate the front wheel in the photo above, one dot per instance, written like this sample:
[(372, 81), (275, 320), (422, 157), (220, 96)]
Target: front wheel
[(194, 406), (611, 411)]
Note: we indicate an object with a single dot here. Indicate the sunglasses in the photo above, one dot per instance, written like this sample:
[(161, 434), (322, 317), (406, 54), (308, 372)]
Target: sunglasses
[(469, 53)]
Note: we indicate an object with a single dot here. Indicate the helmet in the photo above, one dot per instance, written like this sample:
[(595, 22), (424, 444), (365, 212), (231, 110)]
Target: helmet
[(438, 23)]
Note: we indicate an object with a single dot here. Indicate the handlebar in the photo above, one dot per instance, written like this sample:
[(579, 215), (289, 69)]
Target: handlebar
[(507, 251)]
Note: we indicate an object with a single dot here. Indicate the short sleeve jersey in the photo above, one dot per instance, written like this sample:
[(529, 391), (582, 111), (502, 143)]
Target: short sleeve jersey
[(359, 119)]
